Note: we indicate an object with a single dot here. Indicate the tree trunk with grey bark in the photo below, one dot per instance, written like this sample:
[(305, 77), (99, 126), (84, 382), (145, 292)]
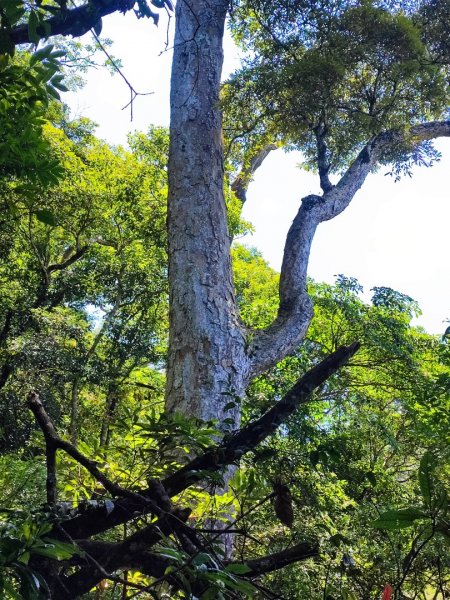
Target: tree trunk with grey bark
[(207, 358)]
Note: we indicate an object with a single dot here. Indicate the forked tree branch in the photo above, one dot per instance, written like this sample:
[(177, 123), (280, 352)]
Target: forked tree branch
[(133, 552), (272, 344), (249, 437), (242, 181), (70, 260), (54, 442), (111, 557)]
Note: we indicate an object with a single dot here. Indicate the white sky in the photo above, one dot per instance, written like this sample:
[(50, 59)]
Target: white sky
[(393, 234)]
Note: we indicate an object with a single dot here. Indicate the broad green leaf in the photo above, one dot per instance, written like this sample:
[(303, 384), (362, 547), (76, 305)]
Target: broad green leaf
[(33, 24), (399, 519), (46, 216), (426, 468), (41, 54), (238, 568), (55, 549)]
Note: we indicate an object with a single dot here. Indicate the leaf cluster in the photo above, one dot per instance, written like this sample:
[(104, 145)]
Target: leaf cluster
[(326, 77)]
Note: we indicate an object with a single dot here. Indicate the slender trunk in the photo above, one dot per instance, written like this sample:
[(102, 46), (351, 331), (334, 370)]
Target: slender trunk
[(207, 358), (74, 409), (112, 399), (73, 427)]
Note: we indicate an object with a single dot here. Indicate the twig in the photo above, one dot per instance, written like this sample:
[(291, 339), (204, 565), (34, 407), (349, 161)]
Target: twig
[(133, 93)]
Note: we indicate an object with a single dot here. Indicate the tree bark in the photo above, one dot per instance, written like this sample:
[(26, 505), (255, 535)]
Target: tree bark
[(207, 359)]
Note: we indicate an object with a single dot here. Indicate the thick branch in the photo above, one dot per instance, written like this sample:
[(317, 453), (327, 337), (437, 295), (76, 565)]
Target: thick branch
[(322, 159), (279, 560), (241, 183), (76, 21), (131, 553), (95, 521), (69, 261), (271, 345), (72, 255), (250, 436), (112, 557), (107, 558)]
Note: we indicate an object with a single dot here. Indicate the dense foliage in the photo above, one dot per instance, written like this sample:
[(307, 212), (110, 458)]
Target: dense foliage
[(351, 457), (326, 77)]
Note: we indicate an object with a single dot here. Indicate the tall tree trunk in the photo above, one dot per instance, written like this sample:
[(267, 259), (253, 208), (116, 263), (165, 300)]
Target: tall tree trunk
[(206, 342)]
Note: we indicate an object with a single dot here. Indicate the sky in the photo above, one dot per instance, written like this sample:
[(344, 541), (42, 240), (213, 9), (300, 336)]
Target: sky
[(392, 234)]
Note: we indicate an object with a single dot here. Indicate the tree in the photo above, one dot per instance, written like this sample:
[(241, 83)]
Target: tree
[(82, 275), (212, 355)]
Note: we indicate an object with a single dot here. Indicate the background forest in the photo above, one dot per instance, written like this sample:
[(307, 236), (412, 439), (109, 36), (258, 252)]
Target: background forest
[(359, 475)]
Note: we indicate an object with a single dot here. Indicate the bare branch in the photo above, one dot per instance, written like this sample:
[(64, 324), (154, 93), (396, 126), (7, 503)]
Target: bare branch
[(241, 183), (279, 560), (69, 261)]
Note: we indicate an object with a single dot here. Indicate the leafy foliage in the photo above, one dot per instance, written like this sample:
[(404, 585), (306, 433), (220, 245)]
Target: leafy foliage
[(326, 77), (352, 455)]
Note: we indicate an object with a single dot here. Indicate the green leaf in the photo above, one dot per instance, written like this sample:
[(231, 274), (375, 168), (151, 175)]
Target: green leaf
[(51, 90), (238, 568), (399, 519), (46, 216), (33, 24), (56, 82), (41, 54), (211, 594), (55, 549), (426, 468)]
